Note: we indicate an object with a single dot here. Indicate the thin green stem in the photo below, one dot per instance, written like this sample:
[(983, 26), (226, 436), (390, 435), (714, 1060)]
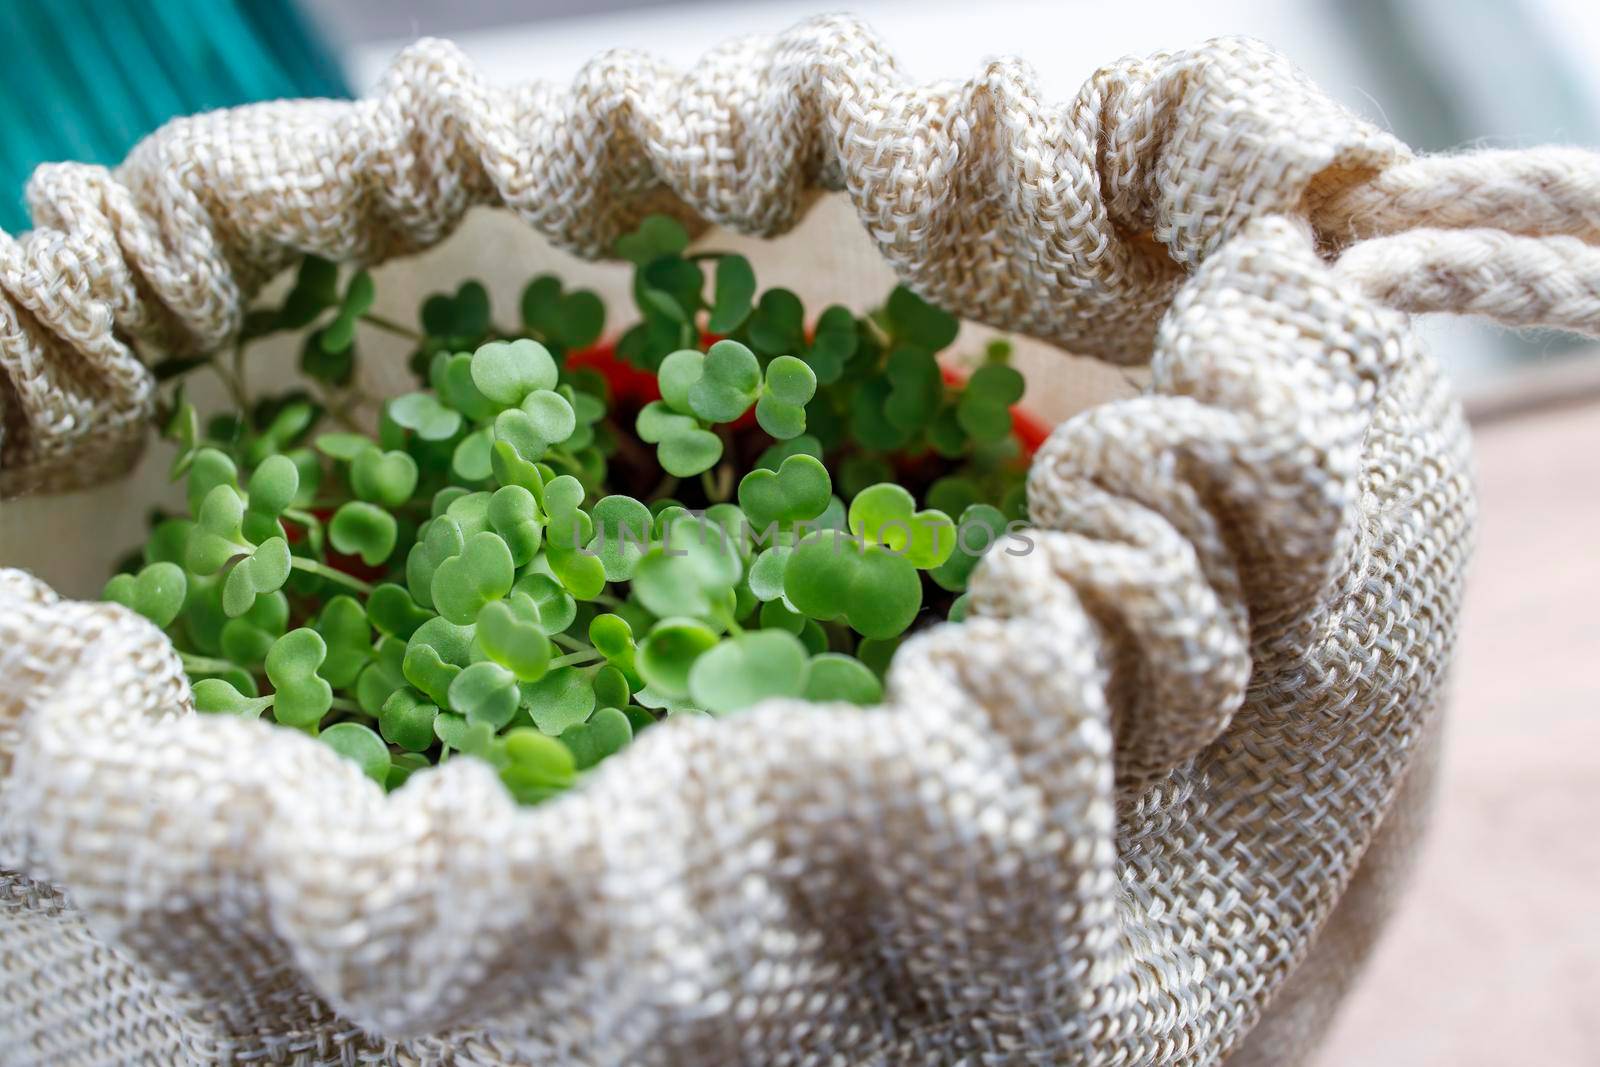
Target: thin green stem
[(233, 381), (721, 488), (664, 488), (563, 460), (341, 704), (572, 643), (196, 664), (877, 332), (390, 326), (576, 659), (333, 574), (608, 600), (338, 409)]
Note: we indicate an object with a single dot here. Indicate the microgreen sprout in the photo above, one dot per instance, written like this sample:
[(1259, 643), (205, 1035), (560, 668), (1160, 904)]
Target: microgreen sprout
[(515, 565)]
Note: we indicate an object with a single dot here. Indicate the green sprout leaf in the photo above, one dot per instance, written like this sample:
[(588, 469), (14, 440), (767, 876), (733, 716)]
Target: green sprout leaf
[(568, 320), (766, 572), (248, 639), (485, 692), (344, 629), (454, 732), (886, 514), (678, 373), (508, 371), (789, 386), (288, 421), (272, 489), (833, 344), (613, 690), (511, 633), (474, 461), (382, 675), (607, 732), (208, 469), (218, 697), (567, 525), (336, 367), (691, 572), (537, 767), (316, 289), (748, 669), (391, 610), (561, 699), (917, 322), (464, 583), (735, 288), (778, 326), (831, 576), (434, 655), (384, 478), (582, 575), (360, 746), (980, 527), (554, 604), (263, 571), (657, 237), (543, 420), (730, 381), (157, 592), (916, 388), (682, 447), (437, 541), (216, 536), (302, 696), (343, 446), (798, 491), (407, 719), (424, 415), (669, 652), (365, 530), (984, 410), (832, 676), (621, 536), (513, 513), (464, 316), (339, 334)]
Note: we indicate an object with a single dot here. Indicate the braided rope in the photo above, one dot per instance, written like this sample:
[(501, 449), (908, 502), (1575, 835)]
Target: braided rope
[(1519, 281)]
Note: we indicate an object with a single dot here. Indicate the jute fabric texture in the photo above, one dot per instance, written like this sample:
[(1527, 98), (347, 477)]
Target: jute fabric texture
[(1102, 821)]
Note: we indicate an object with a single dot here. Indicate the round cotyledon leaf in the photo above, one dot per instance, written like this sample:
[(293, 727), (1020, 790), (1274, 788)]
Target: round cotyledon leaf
[(830, 575), (507, 371), (157, 592), (747, 669), (361, 746), (669, 652)]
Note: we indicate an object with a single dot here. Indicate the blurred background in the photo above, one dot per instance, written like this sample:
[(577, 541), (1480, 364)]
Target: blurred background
[(1494, 955)]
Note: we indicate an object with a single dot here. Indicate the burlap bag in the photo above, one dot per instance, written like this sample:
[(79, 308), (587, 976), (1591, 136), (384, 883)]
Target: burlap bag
[(1103, 821)]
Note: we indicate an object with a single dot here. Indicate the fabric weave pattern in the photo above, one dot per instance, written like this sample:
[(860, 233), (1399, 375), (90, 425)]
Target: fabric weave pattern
[(1099, 822)]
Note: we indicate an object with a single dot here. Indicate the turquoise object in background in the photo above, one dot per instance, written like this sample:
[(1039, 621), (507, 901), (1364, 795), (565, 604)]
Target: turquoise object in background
[(85, 79)]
